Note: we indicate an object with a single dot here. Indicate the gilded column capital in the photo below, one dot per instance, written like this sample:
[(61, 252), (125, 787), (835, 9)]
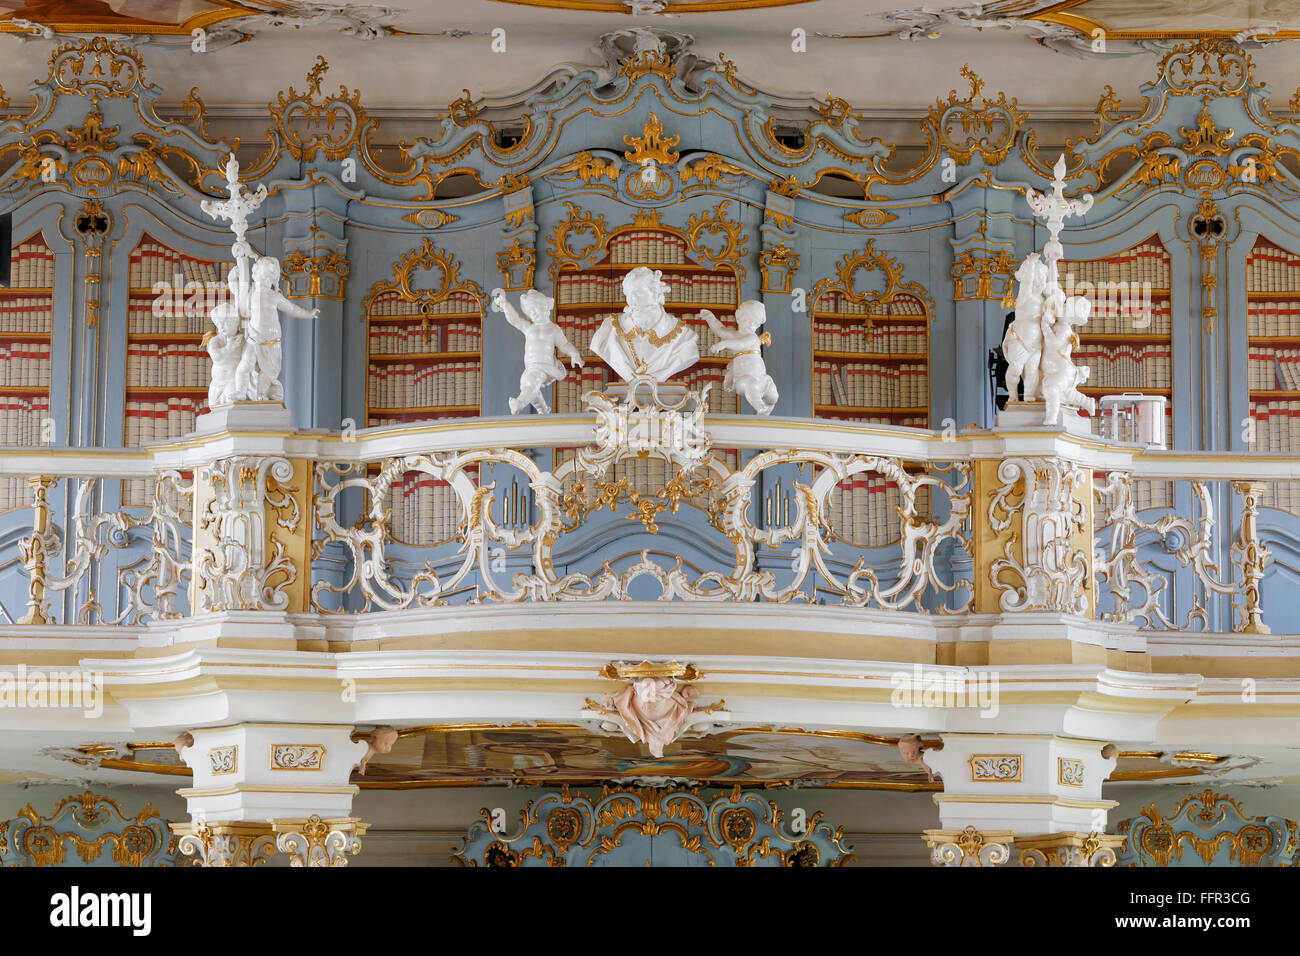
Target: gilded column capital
[(968, 847), (317, 842), (233, 843), (1069, 849)]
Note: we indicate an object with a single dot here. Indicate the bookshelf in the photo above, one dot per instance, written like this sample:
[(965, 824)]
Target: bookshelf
[(1128, 340), (167, 366), (26, 327), (1273, 355), (424, 360), (871, 350)]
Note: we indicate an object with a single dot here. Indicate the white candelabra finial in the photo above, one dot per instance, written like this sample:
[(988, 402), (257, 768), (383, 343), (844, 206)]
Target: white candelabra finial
[(1053, 208), (237, 207)]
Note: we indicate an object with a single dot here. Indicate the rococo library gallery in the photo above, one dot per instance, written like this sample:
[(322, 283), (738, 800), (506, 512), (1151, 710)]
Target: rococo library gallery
[(719, 433)]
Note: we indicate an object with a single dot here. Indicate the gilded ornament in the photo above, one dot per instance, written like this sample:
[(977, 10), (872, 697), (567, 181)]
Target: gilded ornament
[(990, 127), (652, 145)]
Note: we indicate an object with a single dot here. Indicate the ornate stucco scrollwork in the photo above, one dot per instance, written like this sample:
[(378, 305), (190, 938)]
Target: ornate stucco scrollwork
[(563, 253), (1069, 849), (1051, 567), (239, 565), (88, 824), (149, 587), (579, 487), (988, 127), (245, 843), (317, 843), (572, 828), (968, 847), (1191, 541), (982, 274), (1207, 823), (423, 259)]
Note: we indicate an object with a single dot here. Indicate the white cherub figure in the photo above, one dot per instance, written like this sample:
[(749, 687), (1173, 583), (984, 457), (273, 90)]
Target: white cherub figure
[(1060, 377), (541, 338), (746, 372), (260, 366), (226, 347), (1022, 346)]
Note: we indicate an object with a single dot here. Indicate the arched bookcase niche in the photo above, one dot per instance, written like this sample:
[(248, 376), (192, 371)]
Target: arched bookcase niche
[(424, 360), (1273, 338), (1128, 340), (167, 365), (702, 265), (871, 346), (870, 363), (26, 340)]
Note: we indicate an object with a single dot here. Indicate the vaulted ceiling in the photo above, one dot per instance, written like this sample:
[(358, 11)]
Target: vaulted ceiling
[(1055, 56)]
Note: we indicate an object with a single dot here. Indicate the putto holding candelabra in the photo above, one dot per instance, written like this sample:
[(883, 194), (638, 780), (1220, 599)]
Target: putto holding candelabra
[(1039, 345), (245, 346)]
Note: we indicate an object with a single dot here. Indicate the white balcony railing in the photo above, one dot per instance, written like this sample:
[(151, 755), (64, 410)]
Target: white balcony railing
[(770, 510)]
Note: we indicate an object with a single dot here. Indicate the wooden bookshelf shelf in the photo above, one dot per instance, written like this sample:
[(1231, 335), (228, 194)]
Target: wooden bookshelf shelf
[(186, 391), (23, 391), (616, 307), (431, 317), (1273, 393), (919, 410), (1135, 354), (873, 356), (1121, 389), (448, 410), (425, 356), (1124, 338), (1274, 296), (29, 373), (879, 317)]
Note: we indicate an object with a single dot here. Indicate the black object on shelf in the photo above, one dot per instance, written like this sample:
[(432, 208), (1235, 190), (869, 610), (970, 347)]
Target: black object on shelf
[(998, 371), (6, 248)]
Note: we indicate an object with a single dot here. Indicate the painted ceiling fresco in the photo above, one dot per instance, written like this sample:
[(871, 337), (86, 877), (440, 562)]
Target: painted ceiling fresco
[(447, 755), (124, 16)]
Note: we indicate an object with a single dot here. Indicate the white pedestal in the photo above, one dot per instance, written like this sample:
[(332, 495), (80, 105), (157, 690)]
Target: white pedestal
[(262, 772), (245, 417), (1019, 415)]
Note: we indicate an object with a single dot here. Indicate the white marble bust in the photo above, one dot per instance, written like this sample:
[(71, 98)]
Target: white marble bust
[(644, 339)]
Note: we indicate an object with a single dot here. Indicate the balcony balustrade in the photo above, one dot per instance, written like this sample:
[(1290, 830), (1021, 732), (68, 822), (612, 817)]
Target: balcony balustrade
[(635, 504)]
